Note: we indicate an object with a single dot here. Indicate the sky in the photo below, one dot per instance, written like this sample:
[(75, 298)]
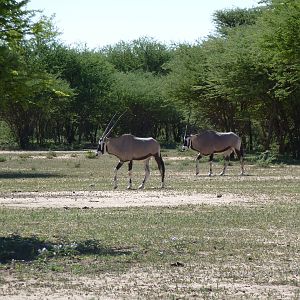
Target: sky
[(97, 23)]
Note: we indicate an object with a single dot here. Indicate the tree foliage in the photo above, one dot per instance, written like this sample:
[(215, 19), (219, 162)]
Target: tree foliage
[(244, 78)]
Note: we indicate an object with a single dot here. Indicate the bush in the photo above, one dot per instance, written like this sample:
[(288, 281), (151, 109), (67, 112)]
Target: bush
[(90, 154), (2, 159), (265, 159)]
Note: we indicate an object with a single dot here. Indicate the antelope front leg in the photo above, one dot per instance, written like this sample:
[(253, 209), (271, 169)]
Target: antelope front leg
[(119, 165), (210, 164), (197, 163), (147, 173), (130, 175)]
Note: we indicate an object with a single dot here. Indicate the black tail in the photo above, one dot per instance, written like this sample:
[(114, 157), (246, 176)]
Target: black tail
[(240, 152), (161, 166)]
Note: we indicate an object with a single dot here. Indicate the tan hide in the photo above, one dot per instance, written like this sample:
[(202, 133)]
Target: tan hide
[(210, 142), (128, 147)]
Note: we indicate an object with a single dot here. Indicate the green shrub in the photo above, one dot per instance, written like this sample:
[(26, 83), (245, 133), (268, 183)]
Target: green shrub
[(265, 159), (90, 154), (24, 155)]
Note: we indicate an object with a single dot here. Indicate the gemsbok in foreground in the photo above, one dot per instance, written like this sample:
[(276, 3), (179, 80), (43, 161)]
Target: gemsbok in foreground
[(128, 148), (210, 142)]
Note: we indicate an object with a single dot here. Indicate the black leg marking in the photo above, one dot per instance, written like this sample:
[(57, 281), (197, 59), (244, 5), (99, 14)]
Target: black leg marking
[(130, 174), (211, 157), (161, 167), (119, 165), (130, 166), (238, 153)]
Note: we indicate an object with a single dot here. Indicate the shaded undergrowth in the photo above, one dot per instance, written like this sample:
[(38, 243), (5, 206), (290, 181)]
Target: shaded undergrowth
[(16, 247)]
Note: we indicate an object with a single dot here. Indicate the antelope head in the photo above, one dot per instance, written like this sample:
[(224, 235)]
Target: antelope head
[(102, 141)]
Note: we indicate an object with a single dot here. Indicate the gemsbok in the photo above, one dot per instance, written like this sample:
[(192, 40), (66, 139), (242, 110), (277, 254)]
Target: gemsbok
[(210, 142), (128, 148)]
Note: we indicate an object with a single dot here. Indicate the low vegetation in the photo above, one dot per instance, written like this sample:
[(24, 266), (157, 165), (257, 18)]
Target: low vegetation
[(202, 251), (243, 78)]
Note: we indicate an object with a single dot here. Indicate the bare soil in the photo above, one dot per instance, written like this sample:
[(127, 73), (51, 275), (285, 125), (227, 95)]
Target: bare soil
[(131, 198), (137, 282)]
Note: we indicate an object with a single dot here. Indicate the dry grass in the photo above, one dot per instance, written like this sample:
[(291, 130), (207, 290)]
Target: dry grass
[(196, 246)]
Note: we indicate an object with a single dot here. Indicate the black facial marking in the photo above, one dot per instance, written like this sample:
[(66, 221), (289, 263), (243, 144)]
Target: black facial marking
[(101, 146)]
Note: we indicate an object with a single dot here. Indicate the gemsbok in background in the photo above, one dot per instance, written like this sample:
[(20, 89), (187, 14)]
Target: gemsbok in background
[(210, 142), (128, 148)]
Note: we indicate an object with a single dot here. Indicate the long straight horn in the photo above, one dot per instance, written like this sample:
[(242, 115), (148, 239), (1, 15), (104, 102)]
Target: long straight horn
[(108, 126), (111, 128), (185, 132)]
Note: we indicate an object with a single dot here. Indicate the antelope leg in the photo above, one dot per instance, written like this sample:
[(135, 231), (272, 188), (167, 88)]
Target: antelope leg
[(225, 165), (147, 173), (130, 175), (197, 163), (119, 165), (240, 155), (210, 164), (161, 167)]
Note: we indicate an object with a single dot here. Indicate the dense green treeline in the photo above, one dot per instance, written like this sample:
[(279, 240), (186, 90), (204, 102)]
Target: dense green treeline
[(244, 78)]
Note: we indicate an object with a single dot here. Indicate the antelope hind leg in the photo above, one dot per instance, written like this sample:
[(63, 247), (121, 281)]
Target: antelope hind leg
[(226, 160), (147, 173), (161, 167)]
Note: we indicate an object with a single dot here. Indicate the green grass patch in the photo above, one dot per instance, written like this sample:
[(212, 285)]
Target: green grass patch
[(235, 241), (200, 251)]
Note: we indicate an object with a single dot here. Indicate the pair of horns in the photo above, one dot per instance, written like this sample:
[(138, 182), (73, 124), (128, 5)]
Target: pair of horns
[(111, 125), (185, 131)]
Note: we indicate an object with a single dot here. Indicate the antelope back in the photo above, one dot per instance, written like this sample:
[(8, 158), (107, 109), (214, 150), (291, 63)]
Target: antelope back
[(128, 147), (210, 142)]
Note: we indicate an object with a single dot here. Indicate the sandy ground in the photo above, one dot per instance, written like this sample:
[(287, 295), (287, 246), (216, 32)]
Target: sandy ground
[(132, 198), (137, 282)]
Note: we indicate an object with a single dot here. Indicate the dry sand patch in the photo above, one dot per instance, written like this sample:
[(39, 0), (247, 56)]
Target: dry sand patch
[(132, 198), (138, 283)]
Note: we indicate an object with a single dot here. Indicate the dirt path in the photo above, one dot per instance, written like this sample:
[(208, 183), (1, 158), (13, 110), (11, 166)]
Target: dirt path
[(133, 198)]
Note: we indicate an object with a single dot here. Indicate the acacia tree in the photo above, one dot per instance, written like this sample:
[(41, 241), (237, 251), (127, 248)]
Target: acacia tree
[(26, 89), (91, 77), (30, 95), (247, 75), (279, 44), (148, 111), (15, 21), (144, 54)]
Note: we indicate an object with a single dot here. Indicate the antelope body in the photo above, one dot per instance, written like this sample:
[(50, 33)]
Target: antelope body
[(128, 148), (210, 143)]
